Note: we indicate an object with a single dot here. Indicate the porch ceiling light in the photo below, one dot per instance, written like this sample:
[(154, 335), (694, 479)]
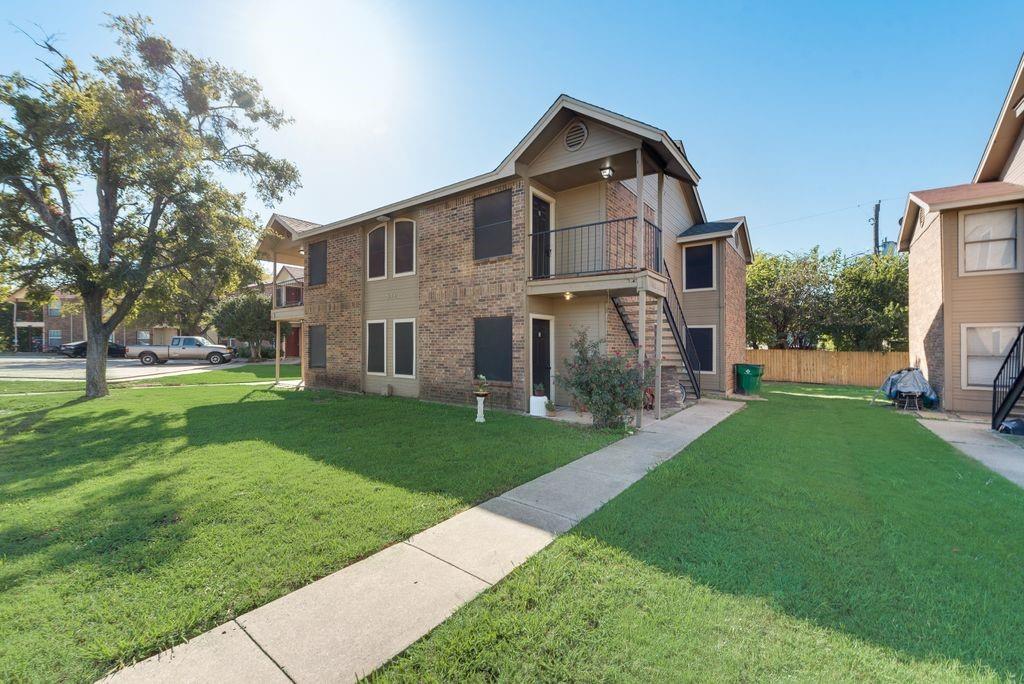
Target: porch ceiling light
[(302, 251), (568, 296), (382, 219), (607, 172)]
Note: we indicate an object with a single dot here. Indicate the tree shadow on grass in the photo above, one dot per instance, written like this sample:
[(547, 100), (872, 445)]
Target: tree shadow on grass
[(856, 521)]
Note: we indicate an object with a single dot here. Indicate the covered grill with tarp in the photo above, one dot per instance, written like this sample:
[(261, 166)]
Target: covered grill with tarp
[(908, 382)]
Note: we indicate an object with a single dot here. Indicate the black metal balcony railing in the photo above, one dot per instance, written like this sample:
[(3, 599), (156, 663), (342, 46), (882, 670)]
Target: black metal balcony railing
[(603, 247), (27, 315), (1009, 382), (291, 298)]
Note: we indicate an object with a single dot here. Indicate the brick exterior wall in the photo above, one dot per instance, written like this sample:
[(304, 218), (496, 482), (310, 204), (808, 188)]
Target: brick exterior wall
[(455, 289), (338, 304), (70, 323), (926, 339), (734, 316)]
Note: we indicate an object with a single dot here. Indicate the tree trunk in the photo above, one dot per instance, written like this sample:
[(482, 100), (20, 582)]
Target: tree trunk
[(96, 350)]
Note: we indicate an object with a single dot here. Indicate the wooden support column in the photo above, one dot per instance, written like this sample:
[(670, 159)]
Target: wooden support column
[(657, 359), (640, 207), (277, 351), (641, 345)]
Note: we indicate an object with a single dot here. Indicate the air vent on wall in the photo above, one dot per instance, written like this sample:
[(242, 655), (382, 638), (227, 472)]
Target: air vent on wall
[(575, 135)]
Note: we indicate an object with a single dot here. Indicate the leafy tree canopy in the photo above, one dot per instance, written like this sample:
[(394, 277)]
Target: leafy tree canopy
[(247, 317)]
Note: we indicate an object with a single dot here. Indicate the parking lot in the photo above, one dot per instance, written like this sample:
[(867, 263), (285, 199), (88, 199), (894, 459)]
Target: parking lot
[(56, 367)]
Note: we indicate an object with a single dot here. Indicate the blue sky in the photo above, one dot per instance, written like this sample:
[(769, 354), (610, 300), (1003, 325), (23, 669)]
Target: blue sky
[(788, 110)]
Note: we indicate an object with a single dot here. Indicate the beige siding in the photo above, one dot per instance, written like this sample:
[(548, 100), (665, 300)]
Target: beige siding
[(602, 142), (703, 308), (579, 206), (978, 299), (388, 300), (926, 310), (1014, 170), (581, 313), (582, 250)]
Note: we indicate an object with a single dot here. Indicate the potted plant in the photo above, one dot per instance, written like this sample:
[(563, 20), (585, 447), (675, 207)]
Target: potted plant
[(549, 406), (539, 391), (481, 391)]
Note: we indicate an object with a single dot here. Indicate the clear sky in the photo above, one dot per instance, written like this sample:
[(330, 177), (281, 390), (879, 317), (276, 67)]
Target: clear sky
[(787, 110)]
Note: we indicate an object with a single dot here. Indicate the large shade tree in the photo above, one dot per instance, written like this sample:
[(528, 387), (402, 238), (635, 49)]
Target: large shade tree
[(789, 298), (871, 303), (112, 175)]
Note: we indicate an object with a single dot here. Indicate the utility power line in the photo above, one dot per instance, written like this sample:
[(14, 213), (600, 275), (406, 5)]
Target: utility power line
[(825, 213)]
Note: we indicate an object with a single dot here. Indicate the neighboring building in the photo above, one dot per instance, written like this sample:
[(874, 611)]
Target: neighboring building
[(61, 320), (493, 275), (967, 268)]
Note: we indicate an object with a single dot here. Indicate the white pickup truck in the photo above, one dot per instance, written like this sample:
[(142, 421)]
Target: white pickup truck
[(184, 348)]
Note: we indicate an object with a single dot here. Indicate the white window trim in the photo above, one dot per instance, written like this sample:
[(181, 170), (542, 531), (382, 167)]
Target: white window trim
[(714, 347), (366, 364), (962, 252), (394, 249), (394, 337), (963, 352), (50, 335), (551, 352), (714, 268), (368, 234), (551, 204)]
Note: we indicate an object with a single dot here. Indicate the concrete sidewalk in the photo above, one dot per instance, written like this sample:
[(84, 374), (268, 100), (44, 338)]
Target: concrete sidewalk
[(346, 625), (979, 442)]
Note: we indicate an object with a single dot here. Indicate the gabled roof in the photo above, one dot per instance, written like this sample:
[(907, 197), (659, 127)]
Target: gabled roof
[(1005, 132), (657, 140), (953, 197), (295, 225), (726, 228)]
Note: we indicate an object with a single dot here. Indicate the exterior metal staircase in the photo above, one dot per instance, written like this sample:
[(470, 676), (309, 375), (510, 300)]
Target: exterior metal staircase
[(1009, 382)]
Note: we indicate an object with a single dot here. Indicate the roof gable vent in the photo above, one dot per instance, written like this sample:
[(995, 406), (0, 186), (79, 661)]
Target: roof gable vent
[(575, 136)]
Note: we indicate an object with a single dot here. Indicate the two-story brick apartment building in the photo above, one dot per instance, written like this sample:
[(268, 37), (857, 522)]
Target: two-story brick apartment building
[(592, 222)]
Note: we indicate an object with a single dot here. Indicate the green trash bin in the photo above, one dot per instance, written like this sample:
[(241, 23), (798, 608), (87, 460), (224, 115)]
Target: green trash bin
[(748, 377)]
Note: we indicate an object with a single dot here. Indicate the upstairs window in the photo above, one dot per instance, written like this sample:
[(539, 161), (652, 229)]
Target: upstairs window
[(699, 267), (142, 336), (53, 308), (376, 253), (405, 248), (492, 348), (989, 241), (318, 263), (492, 225)]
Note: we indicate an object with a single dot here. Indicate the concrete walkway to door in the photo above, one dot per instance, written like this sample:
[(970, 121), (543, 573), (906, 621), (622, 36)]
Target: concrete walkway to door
[(346, 625)]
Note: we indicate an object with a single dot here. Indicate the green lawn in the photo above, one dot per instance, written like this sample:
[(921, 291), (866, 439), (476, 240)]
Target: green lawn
[(20, 386), (132, 522), (806, 538), (234, 373)]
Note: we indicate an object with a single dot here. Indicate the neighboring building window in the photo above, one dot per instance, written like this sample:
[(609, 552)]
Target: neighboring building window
[(318, 263), (704, 347), (983, 349), (492, 348), (989, 241), (53, 308), (143, 337), (53, 337), (492, 225), (317, 346), (403, 361), (377, 253), (699, 267), (376, 343), (405, 248)]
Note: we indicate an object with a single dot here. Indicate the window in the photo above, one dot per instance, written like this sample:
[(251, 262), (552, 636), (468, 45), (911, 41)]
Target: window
[(704, 347), (317, 346), (699, 267), (982, 351), (53, 308), (376, 253), (142, 336), (376, 343), (403, 360), (989, 241), (405, 248), (318, 263), (53, 337), (492, 225), (189, 342), (176, 342), (492, 348)]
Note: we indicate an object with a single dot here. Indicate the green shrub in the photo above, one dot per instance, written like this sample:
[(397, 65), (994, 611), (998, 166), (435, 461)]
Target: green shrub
[(611, 386)]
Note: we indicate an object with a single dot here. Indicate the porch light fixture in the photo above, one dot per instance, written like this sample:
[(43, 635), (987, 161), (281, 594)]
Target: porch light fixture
[(302, 251), (568, 296), (607, 172), (382, 219)]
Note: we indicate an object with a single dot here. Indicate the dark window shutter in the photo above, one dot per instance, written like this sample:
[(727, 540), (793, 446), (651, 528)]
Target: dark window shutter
[(318, 346), (700, 267), (375, 348), (492, 346), (405, 348), (704, 348), (318, 263), (492, 225), (405, 247), (377, 243)]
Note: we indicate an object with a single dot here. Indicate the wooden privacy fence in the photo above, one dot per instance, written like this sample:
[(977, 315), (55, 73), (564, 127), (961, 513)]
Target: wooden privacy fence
[(865, 369)]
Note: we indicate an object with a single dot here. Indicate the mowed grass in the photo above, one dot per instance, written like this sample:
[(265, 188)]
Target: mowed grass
[(22, 386), (250, 372), (131, 523), (805, 538)]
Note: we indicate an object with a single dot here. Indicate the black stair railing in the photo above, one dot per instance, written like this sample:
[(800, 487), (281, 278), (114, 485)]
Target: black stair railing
[(1009, 382), (681, 333)]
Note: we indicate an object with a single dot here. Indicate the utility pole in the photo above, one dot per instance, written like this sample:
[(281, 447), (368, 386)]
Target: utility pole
[(874, 225)]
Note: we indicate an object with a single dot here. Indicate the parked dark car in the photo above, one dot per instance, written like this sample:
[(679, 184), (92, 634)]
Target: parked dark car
[(76, 350)]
